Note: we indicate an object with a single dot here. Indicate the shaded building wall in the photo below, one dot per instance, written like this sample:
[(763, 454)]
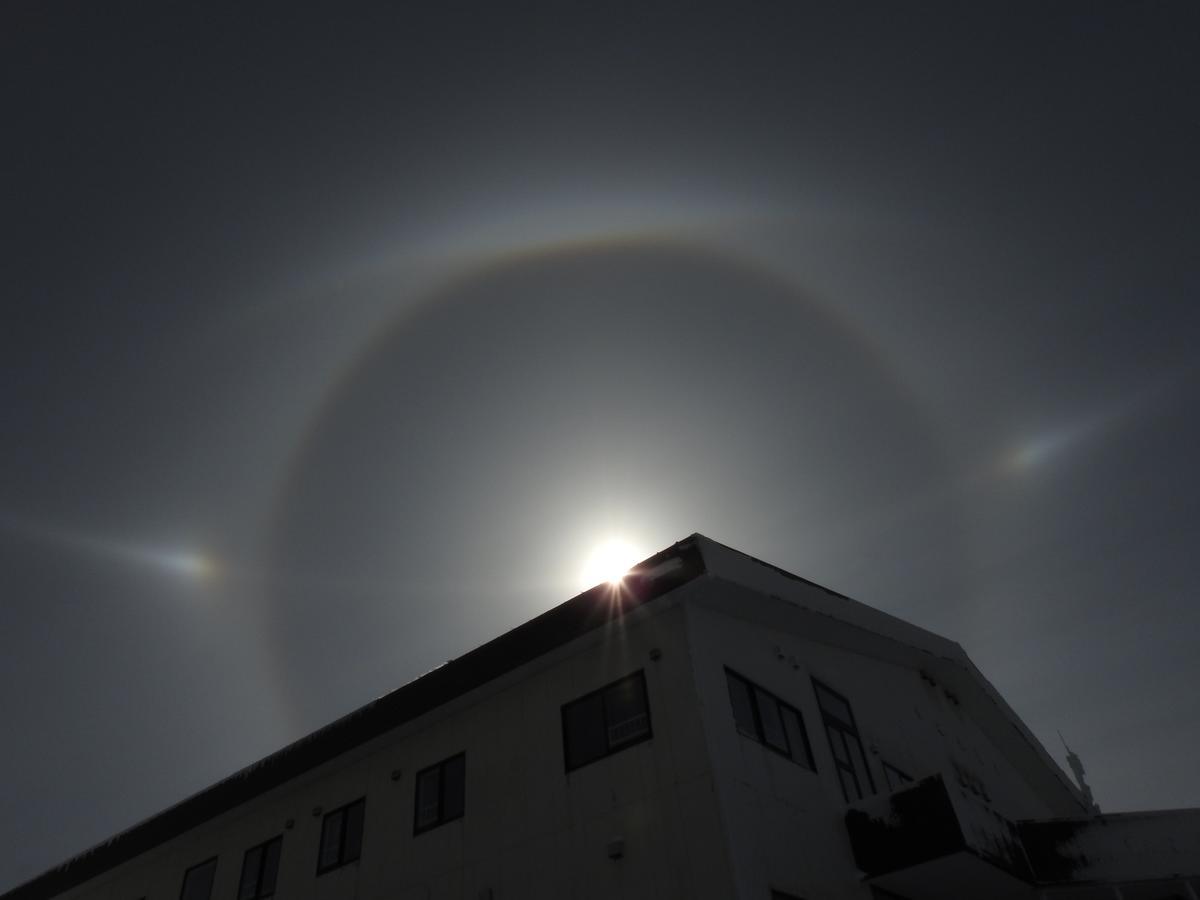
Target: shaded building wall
[(785, 823), (530, 830)]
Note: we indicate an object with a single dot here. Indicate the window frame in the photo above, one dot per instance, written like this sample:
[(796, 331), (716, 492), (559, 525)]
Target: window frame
[(610, 747), (845, 730), (442, 818), (342, 858), (212, 860), (781, 705), (258, 880)]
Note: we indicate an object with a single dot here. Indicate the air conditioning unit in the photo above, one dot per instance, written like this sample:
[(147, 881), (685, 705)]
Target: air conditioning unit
[(622, 731)]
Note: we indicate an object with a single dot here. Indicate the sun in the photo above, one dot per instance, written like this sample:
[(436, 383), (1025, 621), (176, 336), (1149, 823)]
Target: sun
[(609, 562)]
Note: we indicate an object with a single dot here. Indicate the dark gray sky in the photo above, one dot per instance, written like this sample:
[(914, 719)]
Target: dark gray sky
[(333, 342)]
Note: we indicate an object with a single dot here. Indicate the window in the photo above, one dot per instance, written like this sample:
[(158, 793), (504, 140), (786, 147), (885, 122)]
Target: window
[(259, 868), (341, 836), (198, 880), (761, 716), (895, 778), (440, 793), (844, 742), (605, 721)]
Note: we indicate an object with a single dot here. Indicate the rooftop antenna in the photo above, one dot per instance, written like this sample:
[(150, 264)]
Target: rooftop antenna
[(1076, 765)]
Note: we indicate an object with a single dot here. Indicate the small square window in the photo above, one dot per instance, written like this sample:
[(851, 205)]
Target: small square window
[(440, 794), (259, 869), (341, 836), (605, 721), (763, 717), (198, 881)]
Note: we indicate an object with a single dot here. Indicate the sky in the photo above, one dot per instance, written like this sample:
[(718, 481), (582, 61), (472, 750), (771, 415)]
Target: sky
[(334, 341)]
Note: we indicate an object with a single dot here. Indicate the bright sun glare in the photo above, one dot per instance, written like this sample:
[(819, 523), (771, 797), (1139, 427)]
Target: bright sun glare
[(609, 562)]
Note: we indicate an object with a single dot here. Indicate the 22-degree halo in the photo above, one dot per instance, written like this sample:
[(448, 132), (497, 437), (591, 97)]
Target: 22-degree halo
[(481, 428)]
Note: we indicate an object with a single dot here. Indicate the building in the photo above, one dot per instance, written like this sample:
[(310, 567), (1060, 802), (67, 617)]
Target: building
[(713, 728)]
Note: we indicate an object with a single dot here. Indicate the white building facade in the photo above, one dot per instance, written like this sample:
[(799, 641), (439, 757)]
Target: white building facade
[(714, 728)]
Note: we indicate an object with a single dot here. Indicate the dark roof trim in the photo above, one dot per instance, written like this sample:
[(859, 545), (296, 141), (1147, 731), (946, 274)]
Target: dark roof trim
[(650, 579)]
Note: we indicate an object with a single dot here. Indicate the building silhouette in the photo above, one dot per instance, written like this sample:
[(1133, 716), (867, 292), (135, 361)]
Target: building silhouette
[(713, 727)]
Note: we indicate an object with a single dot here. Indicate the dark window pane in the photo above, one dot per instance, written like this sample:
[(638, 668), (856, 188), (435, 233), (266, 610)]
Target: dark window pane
[(454, 777), (248, 885), (352, 839), (797, 738), (834, 706), (625, 711), (743, 705), (197, 882), (428, 798), (331, 840), (584, 731), (837, 741), (860, 765), (270, 868), (772, 724)]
